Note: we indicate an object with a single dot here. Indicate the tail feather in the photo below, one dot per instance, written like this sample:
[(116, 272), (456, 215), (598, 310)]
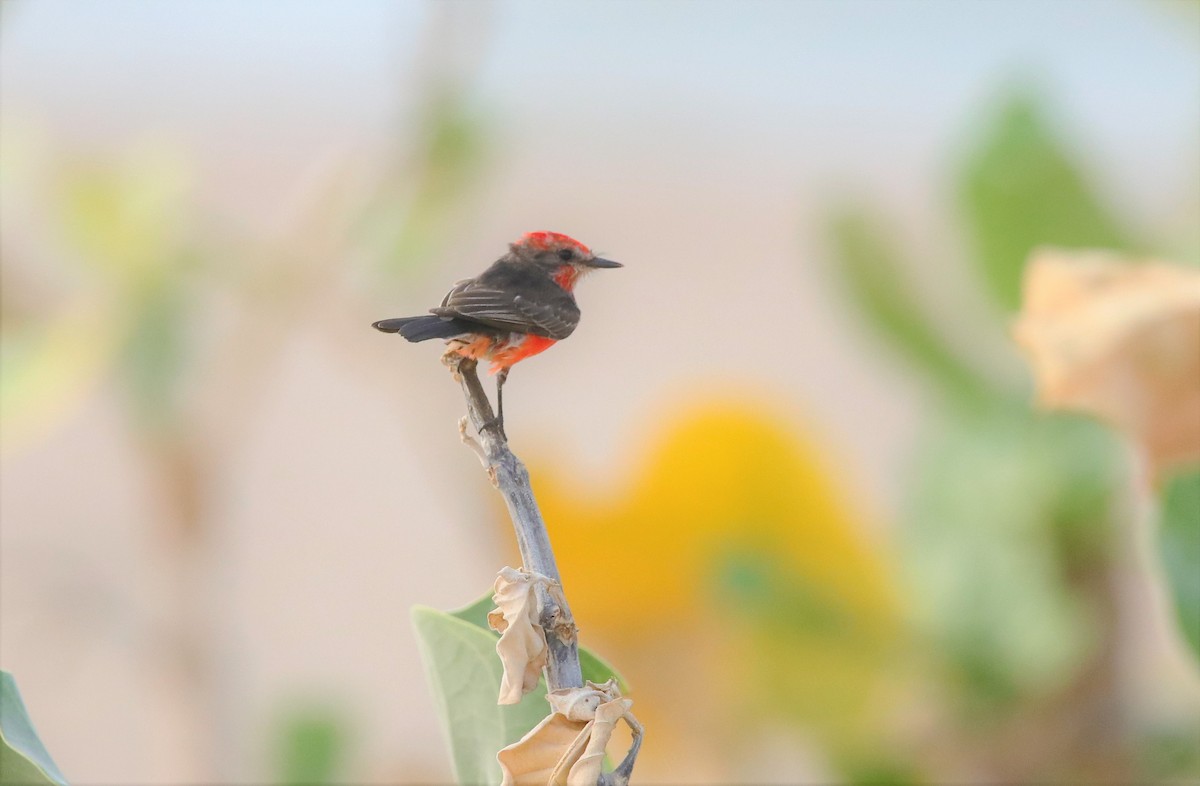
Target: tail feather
[(421, 328)]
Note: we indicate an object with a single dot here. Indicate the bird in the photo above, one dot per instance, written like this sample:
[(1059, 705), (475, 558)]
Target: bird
[(520, 306)]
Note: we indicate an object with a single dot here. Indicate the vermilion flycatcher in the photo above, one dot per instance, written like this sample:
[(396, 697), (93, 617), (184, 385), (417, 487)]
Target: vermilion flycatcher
[(518, 307)]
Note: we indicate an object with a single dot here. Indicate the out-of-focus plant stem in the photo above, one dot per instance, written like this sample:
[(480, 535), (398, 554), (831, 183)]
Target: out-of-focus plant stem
[(194, 637)]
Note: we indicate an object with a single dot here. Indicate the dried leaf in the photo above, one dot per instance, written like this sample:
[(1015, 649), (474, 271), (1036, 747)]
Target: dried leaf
[(1119, 340), (537, 759), (567, 748), (586, 771), (580, 704), (522, 644)]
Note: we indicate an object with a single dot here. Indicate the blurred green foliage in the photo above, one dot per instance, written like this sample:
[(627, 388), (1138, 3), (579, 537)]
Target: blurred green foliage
[(147, 266), (1006, 506), (1171, 756), (312, 746), (1021, 188), (156, 355), (1179, 549), (1007, 509), (1009, 531), (410, 216), (874, 274), (126, 229)]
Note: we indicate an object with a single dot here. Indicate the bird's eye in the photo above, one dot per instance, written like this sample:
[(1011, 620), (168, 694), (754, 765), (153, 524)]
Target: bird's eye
[(566, 254)]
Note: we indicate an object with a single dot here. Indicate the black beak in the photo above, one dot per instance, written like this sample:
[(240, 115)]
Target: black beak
[(598, 262)]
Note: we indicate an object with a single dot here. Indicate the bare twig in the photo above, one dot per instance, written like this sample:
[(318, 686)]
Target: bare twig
[(509, 475)]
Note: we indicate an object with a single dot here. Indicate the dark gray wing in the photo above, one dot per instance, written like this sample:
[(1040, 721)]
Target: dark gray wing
[(543, 310), (555, 320)]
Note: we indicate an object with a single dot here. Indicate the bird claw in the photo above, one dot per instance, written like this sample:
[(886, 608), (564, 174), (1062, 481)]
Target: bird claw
[(454, 361), (496, 423)]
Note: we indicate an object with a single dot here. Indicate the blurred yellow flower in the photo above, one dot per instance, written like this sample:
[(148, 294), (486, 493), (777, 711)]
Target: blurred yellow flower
[(733, 556), (723, 480)]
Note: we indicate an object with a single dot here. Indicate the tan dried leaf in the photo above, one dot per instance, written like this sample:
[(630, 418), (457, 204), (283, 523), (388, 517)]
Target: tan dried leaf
[(567, 748), (1120, 340), (522, 644), (543, 757), (580, 704), (586, 771)]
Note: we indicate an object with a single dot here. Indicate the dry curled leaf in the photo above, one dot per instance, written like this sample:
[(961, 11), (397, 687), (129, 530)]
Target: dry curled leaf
[(567, 748), (538, 758), (586, 771), (522, 644), (580, 704), (1120, 340)]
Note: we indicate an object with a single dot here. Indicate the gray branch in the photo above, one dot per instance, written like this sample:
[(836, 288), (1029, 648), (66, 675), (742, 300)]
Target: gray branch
[(509, 475)]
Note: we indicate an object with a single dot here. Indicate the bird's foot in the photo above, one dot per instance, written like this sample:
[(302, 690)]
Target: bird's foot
[(497, 424), (457, 362)]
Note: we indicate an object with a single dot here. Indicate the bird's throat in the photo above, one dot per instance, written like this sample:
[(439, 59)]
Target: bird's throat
[(566, 276)]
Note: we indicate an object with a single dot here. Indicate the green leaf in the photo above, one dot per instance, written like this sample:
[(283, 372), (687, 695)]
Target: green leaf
[(459, 652), (874, 279), (1021, 188), (464, 672), (1179, 546), (476, 613), (23, 758)]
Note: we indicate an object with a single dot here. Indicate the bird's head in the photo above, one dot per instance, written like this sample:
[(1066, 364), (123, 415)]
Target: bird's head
[(563, 257)]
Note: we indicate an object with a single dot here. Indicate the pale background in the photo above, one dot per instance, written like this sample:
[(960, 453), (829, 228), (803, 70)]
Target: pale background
[(698, 143)]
